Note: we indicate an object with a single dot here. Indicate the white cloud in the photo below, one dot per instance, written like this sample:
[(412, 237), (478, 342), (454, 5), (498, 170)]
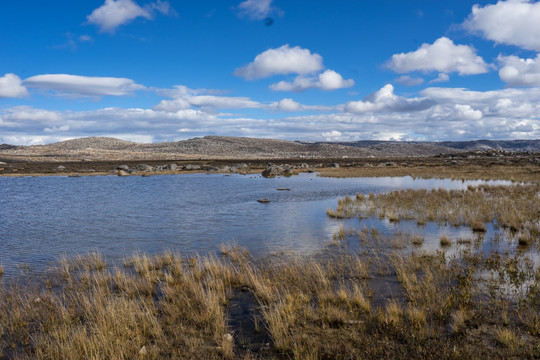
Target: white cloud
[(29, 114), (384, 100), (281, 61), (513, 22), (442, 56), (435, 114), (183, 99), (467, 112), (288, 105), (114, 13), (172, 105), (442, 77), (520, 72), (83, 86), (333, 135), (223, 102), (409, 80), (11, 87), (328, 80), (255, 9), (331, 80)]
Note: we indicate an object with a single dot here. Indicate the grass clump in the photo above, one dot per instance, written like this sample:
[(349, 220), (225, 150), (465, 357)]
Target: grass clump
[(445, 240), (169, 306)]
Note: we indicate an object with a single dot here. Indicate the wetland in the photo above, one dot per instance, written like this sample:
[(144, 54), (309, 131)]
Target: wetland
[(370, 267)]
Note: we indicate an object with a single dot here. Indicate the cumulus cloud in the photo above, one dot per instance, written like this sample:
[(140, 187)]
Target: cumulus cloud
[(255, 9), (333, 135), (513, 22), (437, 113), (467, 112), (114, 13), (384, 100), (83, 86), (328, 80), (11, 87), (288, 105), (281, 61), (442, 77), (520, 72), (442, 56)]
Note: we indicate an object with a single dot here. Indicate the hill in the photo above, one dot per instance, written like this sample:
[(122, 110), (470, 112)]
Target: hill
[(223, 147)]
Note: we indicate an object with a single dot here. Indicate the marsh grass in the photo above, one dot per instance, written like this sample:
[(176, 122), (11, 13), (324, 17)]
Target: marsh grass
[(517, 172), (445, 241), (514, 208), (169, 306)]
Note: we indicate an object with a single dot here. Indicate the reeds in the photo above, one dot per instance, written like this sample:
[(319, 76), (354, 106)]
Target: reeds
[(513, 207), (168, 306)]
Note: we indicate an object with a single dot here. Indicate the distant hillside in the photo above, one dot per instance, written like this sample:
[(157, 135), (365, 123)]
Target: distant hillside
[(105, 143), (415, 148), (509, 145), (214, 147), (224, 147), (402, 148)]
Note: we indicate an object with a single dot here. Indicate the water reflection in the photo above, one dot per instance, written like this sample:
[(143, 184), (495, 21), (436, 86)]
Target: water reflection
[(45, 217)]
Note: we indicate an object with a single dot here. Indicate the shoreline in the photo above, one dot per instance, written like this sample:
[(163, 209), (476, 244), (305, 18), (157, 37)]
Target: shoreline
[(515, 168)]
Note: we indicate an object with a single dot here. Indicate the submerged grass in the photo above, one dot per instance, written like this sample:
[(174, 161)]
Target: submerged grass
[(514, 207)]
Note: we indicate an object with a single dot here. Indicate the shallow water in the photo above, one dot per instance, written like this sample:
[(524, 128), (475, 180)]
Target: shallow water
[(43, 218)]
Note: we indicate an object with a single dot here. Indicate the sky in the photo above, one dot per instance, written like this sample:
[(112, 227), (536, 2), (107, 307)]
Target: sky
[(317, 70)]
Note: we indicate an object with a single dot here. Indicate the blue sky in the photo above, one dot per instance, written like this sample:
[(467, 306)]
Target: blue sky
[(155, 70)]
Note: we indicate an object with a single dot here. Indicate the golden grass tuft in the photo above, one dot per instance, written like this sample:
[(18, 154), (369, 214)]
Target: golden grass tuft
[(445, 240), (506, 337)]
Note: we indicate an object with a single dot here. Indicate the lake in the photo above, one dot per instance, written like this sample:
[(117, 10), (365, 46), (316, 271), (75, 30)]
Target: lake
[(42, 218)]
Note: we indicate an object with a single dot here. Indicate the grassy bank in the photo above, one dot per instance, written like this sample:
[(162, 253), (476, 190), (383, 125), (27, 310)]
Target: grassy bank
[(472, 171), (333, 306)]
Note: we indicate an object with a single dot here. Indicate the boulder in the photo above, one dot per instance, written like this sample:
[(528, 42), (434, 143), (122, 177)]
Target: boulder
[(192, 167), (122, 173), (212, 168), (272, 171), (122, 167), (334, 165), (144, 167)]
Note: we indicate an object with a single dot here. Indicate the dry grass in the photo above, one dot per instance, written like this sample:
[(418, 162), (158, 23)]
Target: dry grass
[(168, 306), (513, 207), (518, 172)]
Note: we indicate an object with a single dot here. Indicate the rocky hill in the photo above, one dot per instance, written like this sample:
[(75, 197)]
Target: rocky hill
[(211, 147), (221, 147), (420, 148)]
